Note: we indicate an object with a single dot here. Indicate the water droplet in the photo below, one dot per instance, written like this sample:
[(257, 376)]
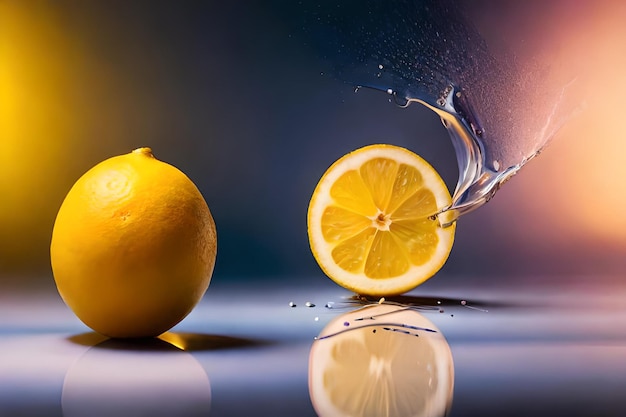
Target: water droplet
[(464, 303), (292, 304), (496, 165), (380, 66), (316, 318), (309, 304), (389, 91), (329, 304), (443, 98)]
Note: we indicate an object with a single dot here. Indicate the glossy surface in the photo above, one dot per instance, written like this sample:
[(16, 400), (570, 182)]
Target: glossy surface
[(517, 352)]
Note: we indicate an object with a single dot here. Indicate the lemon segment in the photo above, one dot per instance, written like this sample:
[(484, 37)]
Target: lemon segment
[(372, 221), (351, 192), (379, 175), (339, 224)]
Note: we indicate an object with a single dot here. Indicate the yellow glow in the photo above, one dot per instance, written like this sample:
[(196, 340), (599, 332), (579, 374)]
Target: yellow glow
[(174, 339), (36, 127)]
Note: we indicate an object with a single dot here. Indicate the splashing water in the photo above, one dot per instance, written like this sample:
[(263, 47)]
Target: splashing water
[(500, 113)]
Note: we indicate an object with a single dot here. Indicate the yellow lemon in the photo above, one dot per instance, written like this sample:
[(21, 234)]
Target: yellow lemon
[(381, 360), (133, 246), (372, 221)]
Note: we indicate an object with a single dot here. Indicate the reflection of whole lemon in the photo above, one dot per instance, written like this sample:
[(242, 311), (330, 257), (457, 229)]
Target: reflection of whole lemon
[(133, 246), (126, 378)]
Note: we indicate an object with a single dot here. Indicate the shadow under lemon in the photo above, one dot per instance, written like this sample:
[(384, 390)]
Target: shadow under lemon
[(381, 359), (148, 376)]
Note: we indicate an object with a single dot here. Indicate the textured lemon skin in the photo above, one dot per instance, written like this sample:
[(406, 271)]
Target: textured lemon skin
[(133, 246)]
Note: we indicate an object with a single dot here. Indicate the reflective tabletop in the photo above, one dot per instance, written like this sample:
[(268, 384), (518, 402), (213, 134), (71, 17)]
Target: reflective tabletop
[(247, 349)]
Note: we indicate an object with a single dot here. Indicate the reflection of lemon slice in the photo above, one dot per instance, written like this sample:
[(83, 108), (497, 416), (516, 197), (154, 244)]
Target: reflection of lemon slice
[(371, 221), (381, 360)]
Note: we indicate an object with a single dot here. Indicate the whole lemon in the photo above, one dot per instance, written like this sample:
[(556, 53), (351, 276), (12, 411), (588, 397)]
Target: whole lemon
[(133, 246)]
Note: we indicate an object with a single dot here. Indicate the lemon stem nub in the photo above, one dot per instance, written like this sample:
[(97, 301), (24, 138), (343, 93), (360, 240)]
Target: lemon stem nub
[(144, 151)]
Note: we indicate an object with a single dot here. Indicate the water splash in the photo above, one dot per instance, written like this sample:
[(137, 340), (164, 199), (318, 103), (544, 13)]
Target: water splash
[(500, 112)]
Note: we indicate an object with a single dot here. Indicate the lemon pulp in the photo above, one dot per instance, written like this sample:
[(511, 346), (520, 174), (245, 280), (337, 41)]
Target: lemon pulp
[(372, 221)]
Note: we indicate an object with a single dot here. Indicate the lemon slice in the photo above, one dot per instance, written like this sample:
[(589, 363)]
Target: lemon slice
[(381, 360), (371, 221)]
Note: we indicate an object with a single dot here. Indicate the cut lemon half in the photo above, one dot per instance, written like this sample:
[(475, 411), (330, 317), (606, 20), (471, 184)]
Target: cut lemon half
[(372, 221)]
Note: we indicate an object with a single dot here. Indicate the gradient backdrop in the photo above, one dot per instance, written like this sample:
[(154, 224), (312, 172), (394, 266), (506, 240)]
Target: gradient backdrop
[(230, 94)]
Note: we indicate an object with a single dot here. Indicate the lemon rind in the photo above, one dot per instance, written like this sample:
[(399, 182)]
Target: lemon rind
[(358, 282)]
